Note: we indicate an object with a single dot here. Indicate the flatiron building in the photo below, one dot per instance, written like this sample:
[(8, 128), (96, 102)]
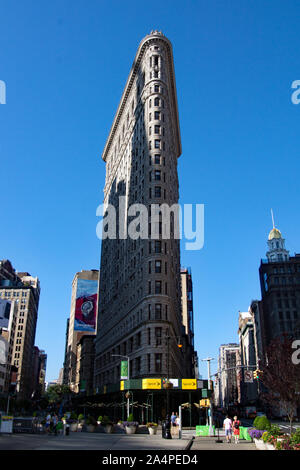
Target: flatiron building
[(139, 308)]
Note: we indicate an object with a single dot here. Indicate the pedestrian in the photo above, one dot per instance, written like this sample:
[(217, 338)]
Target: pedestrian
[(236, 429), (177, 421), (55, 420), (227, 424), (48, 423), (173, 421)]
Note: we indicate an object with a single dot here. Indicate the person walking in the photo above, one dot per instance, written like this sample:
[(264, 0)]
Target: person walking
[(48, 423), (177, 423), (173, 421), (227, 425), (55, 420), (236, 429)]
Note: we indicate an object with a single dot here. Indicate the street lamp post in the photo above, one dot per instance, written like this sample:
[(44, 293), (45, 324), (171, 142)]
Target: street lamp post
[(208, 360), (168, 363), (128, 370)]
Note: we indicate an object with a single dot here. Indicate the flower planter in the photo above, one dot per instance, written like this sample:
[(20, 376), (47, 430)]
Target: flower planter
[(130, 429), (168, 385), (260, 445), (108, 428), (73, 427), (152, 430), (90, 428)]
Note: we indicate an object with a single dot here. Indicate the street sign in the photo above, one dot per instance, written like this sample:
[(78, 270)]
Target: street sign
[(248, 376)]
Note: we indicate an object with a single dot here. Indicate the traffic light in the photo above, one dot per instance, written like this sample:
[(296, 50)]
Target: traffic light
[(257, 374)]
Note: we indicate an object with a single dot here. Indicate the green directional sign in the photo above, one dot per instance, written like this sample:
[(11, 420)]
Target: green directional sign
[(124, 370)]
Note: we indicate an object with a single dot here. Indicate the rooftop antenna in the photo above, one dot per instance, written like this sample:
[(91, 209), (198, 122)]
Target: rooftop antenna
[(272, 218)]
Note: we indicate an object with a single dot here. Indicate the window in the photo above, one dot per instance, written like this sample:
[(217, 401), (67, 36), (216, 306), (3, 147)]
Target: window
[(158, 361), (157, 191), (156, 143), (155, 57), (149, 362), (157, 175), (157, 287), (157, 159), (158, 266), (157, 311), (156, 88), (149, 336), (158, 336), (138, 365), (156, 115), (156, 101), (156, 129), (157, 246)]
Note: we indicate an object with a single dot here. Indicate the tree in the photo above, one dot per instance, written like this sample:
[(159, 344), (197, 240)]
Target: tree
[(281, 377), (56, 393)]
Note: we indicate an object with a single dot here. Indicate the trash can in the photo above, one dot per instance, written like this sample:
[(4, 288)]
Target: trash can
[(166, 428)]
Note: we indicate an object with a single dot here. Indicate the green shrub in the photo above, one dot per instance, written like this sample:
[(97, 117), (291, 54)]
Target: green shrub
[(105, 420), (80, 417), (261, 423), (295, 439), (91, 420), (100, 418), (130, 417)]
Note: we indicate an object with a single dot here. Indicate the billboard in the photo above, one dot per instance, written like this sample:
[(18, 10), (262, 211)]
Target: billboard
[(5, 307), (86, 305)]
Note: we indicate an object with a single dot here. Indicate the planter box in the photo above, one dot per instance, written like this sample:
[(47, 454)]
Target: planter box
[(260, 445), (90, 428), (130, 429), (108, 428), (152, 430), (168, 385)]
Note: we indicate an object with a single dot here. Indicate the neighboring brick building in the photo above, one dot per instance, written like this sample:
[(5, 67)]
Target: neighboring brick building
[(83, 302), (85, 365), (25, 290)]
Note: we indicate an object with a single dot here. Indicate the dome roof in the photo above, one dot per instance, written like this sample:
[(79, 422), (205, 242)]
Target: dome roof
[(275, 233)]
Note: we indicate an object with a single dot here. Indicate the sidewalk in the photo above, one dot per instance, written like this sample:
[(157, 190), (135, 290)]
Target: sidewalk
[(209, 443)]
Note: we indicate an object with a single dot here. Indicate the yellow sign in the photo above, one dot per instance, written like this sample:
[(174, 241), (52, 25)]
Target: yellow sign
[(122, 385), (151, 383), (205, 402), (189, 384)]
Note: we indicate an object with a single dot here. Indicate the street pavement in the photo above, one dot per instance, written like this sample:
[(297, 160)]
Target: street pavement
[(104, 442), (93, 441)]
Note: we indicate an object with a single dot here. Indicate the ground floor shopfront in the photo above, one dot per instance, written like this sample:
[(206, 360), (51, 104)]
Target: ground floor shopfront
[(145, 405)]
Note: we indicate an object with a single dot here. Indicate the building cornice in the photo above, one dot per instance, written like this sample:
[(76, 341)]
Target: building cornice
[(145, 43)]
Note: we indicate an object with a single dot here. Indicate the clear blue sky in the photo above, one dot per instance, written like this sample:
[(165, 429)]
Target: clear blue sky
[(65, 64)]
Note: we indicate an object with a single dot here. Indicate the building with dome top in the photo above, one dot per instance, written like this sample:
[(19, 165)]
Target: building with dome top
[(280, 288)]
